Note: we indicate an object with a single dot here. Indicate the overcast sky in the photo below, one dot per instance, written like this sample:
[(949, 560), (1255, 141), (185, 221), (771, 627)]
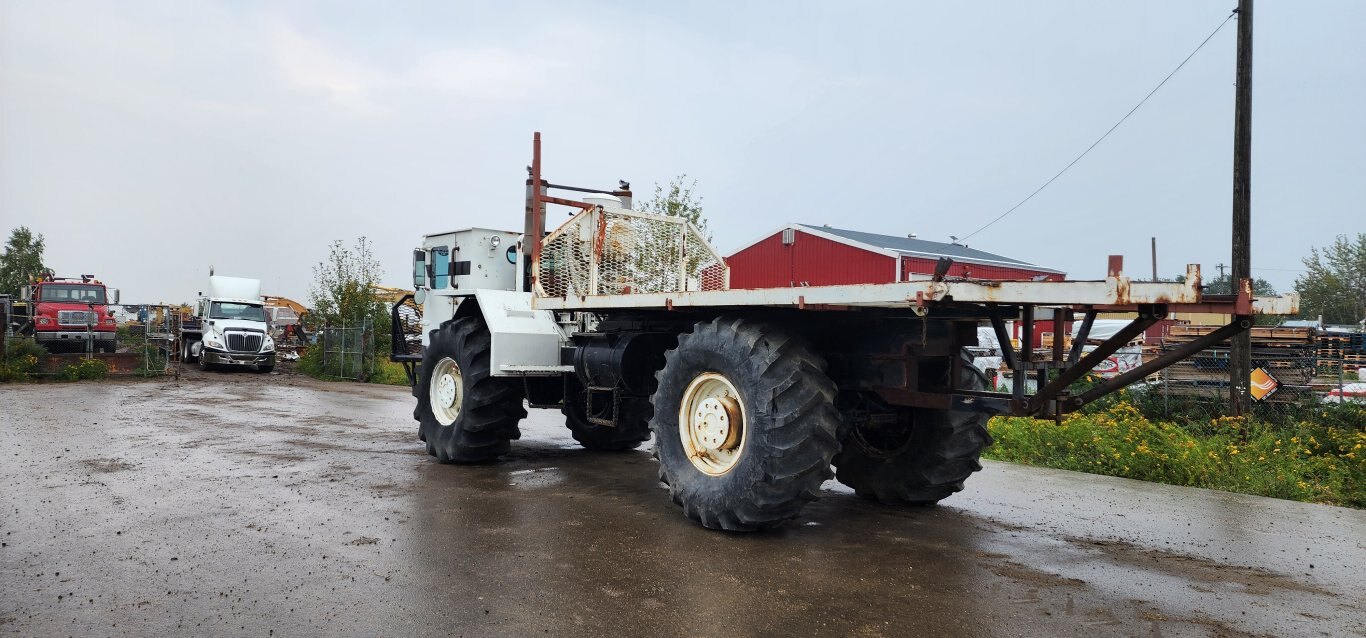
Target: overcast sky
[(148, 140)]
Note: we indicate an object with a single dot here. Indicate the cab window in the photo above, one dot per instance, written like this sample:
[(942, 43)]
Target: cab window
[(441, 267)]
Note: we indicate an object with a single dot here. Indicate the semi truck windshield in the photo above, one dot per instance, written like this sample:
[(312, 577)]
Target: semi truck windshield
[(243, 311)]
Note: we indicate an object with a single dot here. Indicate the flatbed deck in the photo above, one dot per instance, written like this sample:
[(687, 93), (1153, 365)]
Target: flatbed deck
[(1117, 293)]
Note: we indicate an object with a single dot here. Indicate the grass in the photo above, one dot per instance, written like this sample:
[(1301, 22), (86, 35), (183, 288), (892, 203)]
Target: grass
[(1323, 461)]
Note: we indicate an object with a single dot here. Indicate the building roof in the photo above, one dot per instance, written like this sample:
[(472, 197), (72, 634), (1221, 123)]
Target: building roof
[(920, 247)]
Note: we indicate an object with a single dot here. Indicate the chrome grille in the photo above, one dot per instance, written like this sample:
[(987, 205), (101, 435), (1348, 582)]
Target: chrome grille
[(243, 341), (75, 317)]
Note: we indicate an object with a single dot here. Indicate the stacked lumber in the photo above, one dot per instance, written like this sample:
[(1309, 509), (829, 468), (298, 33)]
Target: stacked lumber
[(1288, 354)]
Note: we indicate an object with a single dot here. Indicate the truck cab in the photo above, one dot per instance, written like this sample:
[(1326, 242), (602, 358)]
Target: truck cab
[(228, 327), (69, 312)]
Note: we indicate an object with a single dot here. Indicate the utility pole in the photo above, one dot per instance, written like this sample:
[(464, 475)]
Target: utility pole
[(1240, 354)]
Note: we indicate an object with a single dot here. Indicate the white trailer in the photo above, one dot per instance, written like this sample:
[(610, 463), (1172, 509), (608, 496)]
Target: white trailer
[(625, 322)]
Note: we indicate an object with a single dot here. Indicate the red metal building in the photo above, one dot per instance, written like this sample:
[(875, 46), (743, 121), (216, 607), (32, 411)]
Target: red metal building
[(805, 255)]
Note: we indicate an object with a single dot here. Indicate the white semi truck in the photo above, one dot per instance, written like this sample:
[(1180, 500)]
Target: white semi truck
[(624, 321), (227, 327)]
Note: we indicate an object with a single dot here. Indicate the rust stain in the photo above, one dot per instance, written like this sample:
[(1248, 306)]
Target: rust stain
[(1122, 290)]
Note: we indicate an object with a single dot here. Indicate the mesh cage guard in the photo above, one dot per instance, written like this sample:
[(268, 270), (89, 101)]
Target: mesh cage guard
[(614, 251)]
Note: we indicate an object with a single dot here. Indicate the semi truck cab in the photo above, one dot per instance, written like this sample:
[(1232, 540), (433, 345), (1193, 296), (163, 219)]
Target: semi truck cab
[(229, 326)]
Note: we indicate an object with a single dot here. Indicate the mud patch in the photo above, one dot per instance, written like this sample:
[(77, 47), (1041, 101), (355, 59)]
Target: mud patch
[(1254, 580), (107, 465), (364, 540), (275, 456), (1220, 629), (1018, 572)]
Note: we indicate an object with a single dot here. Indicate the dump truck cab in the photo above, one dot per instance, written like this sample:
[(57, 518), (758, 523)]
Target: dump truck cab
[(71, 313)]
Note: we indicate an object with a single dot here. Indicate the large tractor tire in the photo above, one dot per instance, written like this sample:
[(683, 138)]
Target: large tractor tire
[(913, 456), (466, 415), (745, 424), (631, 430)]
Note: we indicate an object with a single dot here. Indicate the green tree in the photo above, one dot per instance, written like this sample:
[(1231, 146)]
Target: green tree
[(654, 266), (1334, 282), (22, 261), (678, 200), (343, 294)]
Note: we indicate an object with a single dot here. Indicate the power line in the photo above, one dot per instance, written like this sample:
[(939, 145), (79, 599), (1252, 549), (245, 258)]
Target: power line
[(1107, 133)]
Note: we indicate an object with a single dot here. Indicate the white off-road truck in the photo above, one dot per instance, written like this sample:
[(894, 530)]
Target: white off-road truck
[(625, 322), (227, 327)]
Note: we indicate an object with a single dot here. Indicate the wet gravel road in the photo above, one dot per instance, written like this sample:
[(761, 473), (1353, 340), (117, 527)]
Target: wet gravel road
[(245, 505)]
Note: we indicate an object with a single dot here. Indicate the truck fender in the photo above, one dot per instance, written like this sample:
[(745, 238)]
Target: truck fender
[(524, 340)]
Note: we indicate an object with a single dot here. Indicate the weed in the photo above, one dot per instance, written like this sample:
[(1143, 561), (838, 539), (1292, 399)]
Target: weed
[(1305, 461)]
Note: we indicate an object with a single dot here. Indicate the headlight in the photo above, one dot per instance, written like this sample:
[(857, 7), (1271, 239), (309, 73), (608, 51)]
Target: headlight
[(212, 340), (44, 321), (268, 345)]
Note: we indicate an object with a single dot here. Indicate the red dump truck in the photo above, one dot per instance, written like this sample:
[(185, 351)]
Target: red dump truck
[(69, 314)]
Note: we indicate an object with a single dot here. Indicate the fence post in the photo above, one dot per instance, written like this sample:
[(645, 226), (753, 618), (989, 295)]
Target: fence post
[(1166, 398)]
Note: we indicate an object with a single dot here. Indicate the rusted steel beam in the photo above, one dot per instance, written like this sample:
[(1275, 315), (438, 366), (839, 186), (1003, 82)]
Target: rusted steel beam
[(1088, 363), (1059, 325), (1083, 333), (1019, 374), (537, 209), (566, 202), (1239, 325), (960, 401), (1002, 339)]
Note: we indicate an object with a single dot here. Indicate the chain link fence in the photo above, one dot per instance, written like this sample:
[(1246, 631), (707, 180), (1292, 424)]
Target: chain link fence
[(1298, 373), (144, 346), (348, 352)]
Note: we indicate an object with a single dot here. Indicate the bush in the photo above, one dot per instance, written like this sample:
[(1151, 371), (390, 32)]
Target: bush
[(84, 369), (382, 370), (389, 373), (1303, 461), (20, 358), (154, 361), (311, 361)]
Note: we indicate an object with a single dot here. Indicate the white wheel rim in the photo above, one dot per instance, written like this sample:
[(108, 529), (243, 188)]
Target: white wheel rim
[(711, 424), (447, 391)]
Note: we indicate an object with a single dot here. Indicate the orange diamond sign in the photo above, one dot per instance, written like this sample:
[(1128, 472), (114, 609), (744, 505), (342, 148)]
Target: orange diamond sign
[(1263, 384)]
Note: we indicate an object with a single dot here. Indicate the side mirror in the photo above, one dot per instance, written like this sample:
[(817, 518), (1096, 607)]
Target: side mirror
[(419, 268), (420, 296), (114, 296), (26, 292)]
